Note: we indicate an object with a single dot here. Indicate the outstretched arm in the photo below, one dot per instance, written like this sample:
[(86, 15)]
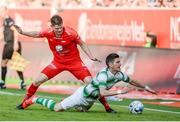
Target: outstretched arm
[(146, 88), (34, 34), (85, 48), (104, 92)]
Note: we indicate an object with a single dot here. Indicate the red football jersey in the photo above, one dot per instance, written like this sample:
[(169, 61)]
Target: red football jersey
[(63, 48)]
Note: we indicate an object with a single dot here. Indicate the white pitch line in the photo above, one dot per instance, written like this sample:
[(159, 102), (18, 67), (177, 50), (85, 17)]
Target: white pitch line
[(10, 93), (157, 110), (16, 94), (173, 112), (150, 109)]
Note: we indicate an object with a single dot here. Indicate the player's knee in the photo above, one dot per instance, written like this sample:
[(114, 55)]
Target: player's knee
[(4, 63), (58, 107), (37, 82), (41, 79)]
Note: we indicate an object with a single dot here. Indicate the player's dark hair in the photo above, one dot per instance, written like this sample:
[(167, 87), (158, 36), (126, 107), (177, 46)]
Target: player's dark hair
[(56, 20), (110, 58)]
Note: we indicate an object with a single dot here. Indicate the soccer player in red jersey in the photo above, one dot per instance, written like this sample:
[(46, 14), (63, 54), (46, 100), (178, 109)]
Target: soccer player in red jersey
[(63, 43)]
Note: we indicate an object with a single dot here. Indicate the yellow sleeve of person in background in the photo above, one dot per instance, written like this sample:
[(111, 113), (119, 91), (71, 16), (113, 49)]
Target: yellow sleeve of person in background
[(18, 62)]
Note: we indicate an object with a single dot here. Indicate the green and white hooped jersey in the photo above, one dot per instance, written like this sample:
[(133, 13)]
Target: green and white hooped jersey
[(103, 79)]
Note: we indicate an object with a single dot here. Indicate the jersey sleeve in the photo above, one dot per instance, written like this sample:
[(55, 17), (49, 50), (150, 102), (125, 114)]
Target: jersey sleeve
[(78, 39), (75, 35), (43, 33), (102, 79), (125, 77)]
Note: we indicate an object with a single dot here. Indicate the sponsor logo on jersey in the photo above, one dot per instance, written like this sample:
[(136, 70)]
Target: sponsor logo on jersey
[(59, 48)]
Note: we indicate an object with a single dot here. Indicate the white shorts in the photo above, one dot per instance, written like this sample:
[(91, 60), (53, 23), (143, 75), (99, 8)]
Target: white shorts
[(78, 101)]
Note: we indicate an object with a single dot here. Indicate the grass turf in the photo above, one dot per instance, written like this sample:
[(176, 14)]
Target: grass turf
[(9, 98)]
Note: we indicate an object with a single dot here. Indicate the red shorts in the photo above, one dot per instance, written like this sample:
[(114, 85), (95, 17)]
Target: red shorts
[(77, 68)]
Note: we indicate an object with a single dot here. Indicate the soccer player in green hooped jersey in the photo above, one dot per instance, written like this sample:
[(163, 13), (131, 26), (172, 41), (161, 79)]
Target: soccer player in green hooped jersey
[(84, 97)]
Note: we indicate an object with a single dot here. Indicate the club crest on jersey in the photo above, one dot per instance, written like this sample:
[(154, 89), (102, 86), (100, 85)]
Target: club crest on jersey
[(59, 48)]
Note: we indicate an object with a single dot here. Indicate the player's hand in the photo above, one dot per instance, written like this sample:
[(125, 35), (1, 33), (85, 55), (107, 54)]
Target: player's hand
[(150, 90), (95, 59), (18, 29)]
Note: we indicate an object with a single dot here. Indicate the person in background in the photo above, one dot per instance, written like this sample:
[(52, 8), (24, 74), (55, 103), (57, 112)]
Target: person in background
[(11, 44), (151, 40)]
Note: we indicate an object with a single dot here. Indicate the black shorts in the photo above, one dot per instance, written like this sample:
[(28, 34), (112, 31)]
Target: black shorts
[(8, 50)]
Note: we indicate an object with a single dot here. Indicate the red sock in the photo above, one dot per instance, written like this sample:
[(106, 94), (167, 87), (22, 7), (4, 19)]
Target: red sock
[(104, 102), (30, 92)]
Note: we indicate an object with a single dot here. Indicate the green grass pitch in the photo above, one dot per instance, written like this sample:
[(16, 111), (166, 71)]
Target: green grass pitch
[(9, 98)]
